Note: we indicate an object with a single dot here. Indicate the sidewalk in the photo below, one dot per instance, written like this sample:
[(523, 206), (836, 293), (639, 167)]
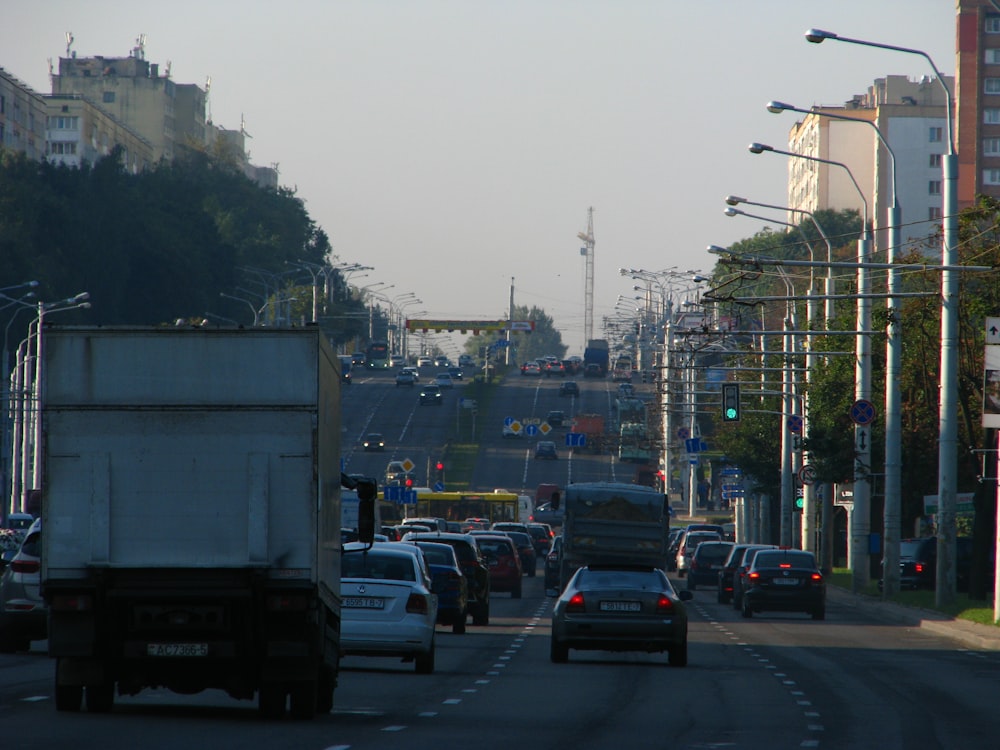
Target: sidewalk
[(972, 634)]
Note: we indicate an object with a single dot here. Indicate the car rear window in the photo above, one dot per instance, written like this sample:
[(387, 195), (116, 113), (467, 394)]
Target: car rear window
[(774, 558), (496, 547), (710, 551), (435, 555), (648, 580), (377, 565)]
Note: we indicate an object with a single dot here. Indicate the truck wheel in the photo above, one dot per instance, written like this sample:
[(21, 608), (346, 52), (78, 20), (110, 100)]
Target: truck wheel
[(271, 700), (69, 697), (100, 698), (425, 662), (303, 699), (324, 689)]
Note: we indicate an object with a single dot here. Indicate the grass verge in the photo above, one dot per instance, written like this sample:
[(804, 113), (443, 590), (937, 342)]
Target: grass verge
[(963, 608)]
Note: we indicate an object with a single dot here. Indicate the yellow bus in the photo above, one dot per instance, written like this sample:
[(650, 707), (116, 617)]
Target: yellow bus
[(457, 506)]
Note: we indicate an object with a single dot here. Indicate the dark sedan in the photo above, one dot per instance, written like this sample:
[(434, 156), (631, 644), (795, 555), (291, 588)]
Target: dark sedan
[(784, 580), (448, 582), (621, 608)]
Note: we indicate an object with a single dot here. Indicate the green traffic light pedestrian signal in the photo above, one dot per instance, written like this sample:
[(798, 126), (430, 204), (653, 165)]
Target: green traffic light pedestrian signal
[(730, 402)]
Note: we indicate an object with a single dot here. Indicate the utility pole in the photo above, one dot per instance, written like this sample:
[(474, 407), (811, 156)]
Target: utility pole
[(588, 289)]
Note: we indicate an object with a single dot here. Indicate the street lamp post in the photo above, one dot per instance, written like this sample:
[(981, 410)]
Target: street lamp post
[(892, 508), (861, 516), (945, 580)]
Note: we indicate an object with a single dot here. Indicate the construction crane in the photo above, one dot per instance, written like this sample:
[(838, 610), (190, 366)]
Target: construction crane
[(588, 285)]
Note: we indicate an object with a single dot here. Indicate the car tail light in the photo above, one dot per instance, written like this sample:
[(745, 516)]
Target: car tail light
[(25, 566), (286, 602), (918, 567), (72, 603), (664, 604), (784, 565), (575, 603), (816, 578), (755, 576), (417, 604)]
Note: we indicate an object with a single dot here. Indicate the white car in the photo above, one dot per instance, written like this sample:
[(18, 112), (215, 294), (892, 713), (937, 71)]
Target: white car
[(397, 360), (387, 605), (424, 361), (444, 380)]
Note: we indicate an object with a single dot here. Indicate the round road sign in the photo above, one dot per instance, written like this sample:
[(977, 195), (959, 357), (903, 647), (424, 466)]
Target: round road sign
[(862, 412), (807, 474)]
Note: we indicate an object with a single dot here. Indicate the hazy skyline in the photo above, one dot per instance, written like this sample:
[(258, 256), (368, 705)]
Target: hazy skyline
[(456, 144)]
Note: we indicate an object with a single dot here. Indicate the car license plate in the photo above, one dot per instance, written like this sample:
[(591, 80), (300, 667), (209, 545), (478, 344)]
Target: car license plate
[(786, 581), (364, 602), (620, 607), (177, 649)]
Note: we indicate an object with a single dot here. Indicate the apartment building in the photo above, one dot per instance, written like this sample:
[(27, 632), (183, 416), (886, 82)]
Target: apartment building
[(977, 123), (79, 131), (22, 117), (911, 117)]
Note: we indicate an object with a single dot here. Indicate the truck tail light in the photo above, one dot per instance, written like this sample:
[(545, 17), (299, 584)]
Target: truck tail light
[(286, 602), (72, 603)]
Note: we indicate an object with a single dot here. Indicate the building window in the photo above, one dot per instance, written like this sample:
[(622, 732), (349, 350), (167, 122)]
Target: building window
[(934, 187), (934, 213), (61, 148), (935, 161), (991, 176), (993, 57), (991, 85), (935, 135), (991, 146), (108, 97), (991, 116), (993, 24)]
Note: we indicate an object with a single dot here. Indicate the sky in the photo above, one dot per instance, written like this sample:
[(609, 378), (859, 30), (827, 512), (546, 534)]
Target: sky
[(456, 146)]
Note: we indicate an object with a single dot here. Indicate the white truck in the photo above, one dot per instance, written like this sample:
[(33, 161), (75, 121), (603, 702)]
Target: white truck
[(191, 507)]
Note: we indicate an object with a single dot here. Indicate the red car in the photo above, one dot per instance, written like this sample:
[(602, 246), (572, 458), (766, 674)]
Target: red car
[(503, 561)]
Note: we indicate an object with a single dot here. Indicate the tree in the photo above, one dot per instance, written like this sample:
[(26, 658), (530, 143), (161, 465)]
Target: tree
[(544, 340)]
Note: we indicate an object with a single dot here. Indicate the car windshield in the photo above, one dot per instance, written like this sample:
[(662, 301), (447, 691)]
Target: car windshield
[(377, 565), (646, 580)]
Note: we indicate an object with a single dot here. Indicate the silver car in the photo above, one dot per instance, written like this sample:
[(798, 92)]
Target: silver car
[(23, 613)]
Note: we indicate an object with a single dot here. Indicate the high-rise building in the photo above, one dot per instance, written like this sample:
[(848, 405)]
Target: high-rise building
[(22, 117), (911, 117), (977, 124)]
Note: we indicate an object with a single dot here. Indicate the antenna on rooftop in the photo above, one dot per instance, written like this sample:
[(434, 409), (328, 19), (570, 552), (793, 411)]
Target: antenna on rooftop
[(140, 47), (167, 71), (208, 101), (69, 42), (243, 127)]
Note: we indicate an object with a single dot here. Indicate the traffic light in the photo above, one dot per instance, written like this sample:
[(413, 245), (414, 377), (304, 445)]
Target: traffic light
[(439, 468), (730, 402), (409, 483)]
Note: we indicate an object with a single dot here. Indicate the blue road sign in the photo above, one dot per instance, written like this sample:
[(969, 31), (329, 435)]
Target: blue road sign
[(862, 412), (683, 433), (438, 487), (576, 439), (508, 421), (531, 430), (393, 494), (795, 423), (409, 497)]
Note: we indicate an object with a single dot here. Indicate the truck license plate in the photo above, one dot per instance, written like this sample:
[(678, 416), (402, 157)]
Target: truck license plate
[(177, 649)]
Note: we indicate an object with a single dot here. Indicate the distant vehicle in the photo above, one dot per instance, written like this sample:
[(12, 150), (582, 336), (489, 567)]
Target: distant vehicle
[(552, 563), (508, 431), (377, 355), (448, 582), (18, 521), (546, 449), (424, 361), (545, 513), (443, 380), (918, 563), (346, 365), (473, 564), (441, 361), (465, 360), (555, 418), (414, 371), (569, 388), (397, 360), (784, 580), (592, 370), (388, 607), (531, 368), (456, 373), (396, 474), (597, 354), (358, 359), (526, 550), (554, 367), (621, 607), (431, 394), (405, 377), (541, 534), (706, 564), (374, 442), (740, 573), (503, 561), (689, 543)]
